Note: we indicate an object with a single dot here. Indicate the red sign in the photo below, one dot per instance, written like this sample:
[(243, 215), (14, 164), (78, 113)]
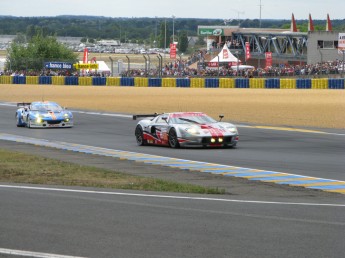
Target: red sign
[(225, 54), (173, 51), (268, 59), (247, 51), (212, 64), (86, 56)]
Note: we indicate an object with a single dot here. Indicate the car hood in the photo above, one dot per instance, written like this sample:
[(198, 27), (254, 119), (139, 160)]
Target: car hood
[(51, 114), (213, 129)]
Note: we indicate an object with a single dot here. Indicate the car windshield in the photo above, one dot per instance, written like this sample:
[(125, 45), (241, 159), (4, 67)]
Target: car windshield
[(45, 107), (191, 118)]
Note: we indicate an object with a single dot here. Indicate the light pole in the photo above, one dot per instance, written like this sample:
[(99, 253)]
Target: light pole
[(165, 36), (238, 68), (155, 31), (173, 39)]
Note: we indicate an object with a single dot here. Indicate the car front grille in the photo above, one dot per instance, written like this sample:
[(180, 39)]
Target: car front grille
[(53, 122), (207, 140)]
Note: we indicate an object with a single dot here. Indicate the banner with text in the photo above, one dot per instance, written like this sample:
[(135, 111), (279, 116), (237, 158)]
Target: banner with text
[(268, 59), (173, 51), (247, 51)]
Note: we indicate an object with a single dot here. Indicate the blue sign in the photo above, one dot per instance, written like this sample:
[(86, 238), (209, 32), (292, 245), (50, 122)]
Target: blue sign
[(58, 65)]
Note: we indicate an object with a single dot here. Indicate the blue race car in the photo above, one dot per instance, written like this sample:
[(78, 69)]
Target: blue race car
[(43, 114)]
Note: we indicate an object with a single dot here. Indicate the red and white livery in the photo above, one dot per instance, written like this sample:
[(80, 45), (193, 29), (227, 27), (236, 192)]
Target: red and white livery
[(185, 129)]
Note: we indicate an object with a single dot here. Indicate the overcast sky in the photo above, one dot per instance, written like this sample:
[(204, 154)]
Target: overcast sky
[(219, 9)]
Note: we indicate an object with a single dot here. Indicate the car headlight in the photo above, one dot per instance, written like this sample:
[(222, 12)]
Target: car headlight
[(38, 119), (192, 130), (232, 129)]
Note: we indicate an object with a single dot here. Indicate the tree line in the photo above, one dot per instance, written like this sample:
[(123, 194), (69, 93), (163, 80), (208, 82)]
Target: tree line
[(138, 30)]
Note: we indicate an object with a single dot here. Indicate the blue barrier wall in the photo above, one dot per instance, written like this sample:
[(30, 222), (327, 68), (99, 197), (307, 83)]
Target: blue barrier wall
[(127, 81), (272, 83), (336, 84), (45, 80), (99, 81), (242, 83), (211, 83), (155, 82), (182, 82), (71, 80), (303, 84), (19, 80)]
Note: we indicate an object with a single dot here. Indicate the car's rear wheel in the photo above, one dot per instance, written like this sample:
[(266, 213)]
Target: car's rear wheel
[(139, 136), (173, 140)]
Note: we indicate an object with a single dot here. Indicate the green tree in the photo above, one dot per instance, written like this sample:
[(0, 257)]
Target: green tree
[(183, 41), (40, 49), (20, 38)]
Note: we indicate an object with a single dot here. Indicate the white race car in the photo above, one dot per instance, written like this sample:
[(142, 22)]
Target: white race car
[(185, 129)]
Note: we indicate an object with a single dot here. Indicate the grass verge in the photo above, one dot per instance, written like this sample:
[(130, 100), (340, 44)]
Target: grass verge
[(17, 167)]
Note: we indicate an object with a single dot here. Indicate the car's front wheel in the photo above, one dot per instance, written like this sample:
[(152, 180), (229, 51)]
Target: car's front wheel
[(19, 121), (28, 122), (173, 140), (139, 136)]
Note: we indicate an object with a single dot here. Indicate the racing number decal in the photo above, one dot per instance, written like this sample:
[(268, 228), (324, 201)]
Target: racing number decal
[(52, 115)]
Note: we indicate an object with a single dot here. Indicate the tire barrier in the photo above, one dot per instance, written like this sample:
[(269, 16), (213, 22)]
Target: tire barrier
[(257, 83), (227, 83), (45, 80), (72, 80), (287, 83), (169, 82), (127, 81), (99, 81), (6, 79), (242, 83), (85, 81), (141, 82), (303, 84), (183, 82), (253, 83), (32, 80), (155, 82), (337, 84), (58, 80), (211, 83), (273, 83), (319, 83), (19, 80), (197, 83), (113, 81)]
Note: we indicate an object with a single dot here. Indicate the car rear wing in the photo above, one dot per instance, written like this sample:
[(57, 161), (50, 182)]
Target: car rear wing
[(146, 115), (23, 104)]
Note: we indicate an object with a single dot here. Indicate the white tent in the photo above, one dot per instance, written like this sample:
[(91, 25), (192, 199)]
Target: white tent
[(102, 67), (225, 56)]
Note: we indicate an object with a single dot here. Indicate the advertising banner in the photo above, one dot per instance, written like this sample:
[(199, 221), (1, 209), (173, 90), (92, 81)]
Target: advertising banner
[(210, 32), (247, 51), (173, 51), (58, 65), (268, 59), (86, 56), (341, 43), (86, 66), (212, 64)]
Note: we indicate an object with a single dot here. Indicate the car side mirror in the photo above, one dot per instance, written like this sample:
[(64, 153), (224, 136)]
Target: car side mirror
[(165, 118), (221, 117)]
